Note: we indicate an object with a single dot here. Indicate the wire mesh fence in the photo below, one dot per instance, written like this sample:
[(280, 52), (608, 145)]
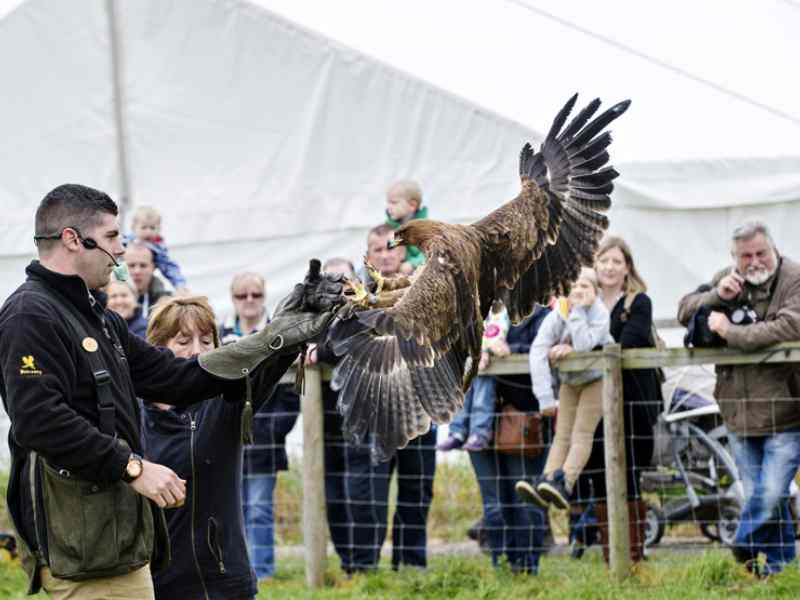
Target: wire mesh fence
[(677, 474)]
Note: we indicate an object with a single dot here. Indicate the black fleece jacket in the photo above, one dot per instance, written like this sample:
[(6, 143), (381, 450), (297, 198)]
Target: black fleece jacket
[(203, 445), (49, 393)]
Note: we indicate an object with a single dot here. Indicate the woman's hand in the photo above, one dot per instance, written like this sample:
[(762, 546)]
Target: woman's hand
[(484, 362), (550, 411)]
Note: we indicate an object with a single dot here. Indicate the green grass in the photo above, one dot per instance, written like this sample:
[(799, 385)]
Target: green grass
[(681, 576), (711, 575), (456, 505)]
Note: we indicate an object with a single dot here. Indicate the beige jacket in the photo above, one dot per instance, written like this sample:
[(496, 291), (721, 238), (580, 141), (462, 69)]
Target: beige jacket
[(758, 399)]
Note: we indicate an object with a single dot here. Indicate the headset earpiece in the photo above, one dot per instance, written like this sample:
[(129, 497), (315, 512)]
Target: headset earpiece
[(88, 243)]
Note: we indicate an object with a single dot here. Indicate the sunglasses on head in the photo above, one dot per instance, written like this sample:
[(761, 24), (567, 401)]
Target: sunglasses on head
[(253, 295)]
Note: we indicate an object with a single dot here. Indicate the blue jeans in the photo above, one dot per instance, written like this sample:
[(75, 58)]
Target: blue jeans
[(257, 493), (767, 465), (514, 528), (477, 414)]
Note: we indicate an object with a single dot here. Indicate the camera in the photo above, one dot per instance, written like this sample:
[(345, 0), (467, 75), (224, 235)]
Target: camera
[(744, 314), (699, 335)]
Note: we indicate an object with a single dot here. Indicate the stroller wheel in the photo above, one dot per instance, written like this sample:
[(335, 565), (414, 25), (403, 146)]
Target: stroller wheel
[(724, 530), (655, 524)]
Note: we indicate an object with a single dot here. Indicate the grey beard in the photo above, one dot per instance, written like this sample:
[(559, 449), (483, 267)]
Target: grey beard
[(758, 277)]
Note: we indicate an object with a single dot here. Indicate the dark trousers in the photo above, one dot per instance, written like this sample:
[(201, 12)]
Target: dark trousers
[(514, 528), (357, 496), (416, 467), (354, 521)]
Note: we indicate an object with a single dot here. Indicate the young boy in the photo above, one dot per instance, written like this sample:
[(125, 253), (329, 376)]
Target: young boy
[(146, 226), (404, 203)]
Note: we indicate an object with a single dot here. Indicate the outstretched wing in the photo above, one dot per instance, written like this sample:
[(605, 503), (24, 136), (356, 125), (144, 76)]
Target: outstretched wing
[(403, 367), (537, 243)]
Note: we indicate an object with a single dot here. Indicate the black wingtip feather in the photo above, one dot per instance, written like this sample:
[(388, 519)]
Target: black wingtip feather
[(572, 169)]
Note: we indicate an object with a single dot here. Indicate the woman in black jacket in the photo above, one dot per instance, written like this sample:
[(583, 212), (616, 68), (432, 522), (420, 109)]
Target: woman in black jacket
[(203, 445), (515, 531), (624, 293)]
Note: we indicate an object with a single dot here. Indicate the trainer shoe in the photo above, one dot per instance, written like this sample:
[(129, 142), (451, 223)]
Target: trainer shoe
[(451, 443), (476, 442), (555, 491), (528, 493)]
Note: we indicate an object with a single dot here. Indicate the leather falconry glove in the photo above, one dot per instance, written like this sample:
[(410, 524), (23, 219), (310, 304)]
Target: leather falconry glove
[(301, 317)]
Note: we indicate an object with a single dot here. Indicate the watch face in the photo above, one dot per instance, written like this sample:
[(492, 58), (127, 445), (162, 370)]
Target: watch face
[(134, 468)]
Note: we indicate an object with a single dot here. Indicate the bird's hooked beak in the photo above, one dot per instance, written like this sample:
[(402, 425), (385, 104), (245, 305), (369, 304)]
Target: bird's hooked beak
[(394, 242)]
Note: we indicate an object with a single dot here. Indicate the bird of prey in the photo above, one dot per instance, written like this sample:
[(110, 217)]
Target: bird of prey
[(407, 365)]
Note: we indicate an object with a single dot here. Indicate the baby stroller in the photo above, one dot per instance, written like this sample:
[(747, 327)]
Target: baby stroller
[(694, 471)]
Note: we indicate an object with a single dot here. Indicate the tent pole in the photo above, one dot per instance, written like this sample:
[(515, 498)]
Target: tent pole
[(118, 104)]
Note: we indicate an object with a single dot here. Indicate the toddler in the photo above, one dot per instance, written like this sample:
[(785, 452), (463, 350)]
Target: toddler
[(146, 226), (474, 423), (404, 203), (577, 323)]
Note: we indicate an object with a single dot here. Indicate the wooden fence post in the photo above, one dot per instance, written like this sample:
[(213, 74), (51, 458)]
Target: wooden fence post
[(315, 527), (614, 446)]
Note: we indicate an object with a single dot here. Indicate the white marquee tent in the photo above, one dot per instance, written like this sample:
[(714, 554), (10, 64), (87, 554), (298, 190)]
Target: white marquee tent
[(267, 132)]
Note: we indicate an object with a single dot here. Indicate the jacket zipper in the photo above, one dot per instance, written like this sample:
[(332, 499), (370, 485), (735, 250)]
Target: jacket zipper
[(193, 427), (214, 541)]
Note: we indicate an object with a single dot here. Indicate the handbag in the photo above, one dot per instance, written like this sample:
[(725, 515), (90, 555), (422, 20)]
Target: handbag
[(518, 432)]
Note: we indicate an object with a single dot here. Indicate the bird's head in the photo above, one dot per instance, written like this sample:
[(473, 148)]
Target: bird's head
[(415, 233)]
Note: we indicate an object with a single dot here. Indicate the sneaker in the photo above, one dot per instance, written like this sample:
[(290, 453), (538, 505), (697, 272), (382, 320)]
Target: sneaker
[(476, 442), (451, 443), (555, 492), (528, 493)]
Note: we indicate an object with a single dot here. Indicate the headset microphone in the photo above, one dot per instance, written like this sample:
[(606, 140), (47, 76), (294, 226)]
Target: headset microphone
[(120, 268), (91, 244)]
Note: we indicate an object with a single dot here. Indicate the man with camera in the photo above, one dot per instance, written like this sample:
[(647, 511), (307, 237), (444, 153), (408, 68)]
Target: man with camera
[(751, 305)]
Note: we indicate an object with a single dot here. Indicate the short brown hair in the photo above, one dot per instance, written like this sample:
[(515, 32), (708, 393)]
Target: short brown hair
[(69, 205), (380, 231), (175, 314)]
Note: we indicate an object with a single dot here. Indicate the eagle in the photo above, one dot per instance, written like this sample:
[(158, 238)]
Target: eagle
[(407, 363)]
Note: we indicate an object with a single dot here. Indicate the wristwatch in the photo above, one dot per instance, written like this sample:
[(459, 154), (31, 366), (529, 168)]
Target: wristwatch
[(133, 469)]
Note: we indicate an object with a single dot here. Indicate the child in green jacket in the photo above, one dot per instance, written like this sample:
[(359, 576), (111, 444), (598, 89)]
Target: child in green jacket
[(404, 203)]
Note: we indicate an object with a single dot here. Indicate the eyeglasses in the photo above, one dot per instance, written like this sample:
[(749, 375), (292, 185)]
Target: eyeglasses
[(253, 295)]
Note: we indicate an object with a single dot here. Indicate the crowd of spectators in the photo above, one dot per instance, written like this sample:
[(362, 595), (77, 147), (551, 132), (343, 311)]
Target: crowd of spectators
[(609, 304), (357, 489)]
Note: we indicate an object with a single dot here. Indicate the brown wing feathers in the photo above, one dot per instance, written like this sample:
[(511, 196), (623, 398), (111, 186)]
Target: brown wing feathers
[(403, 367), (399, 371), (570, 169)]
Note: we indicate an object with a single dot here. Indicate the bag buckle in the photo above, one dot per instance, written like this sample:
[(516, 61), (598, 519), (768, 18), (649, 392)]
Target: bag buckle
[(102, 377)]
